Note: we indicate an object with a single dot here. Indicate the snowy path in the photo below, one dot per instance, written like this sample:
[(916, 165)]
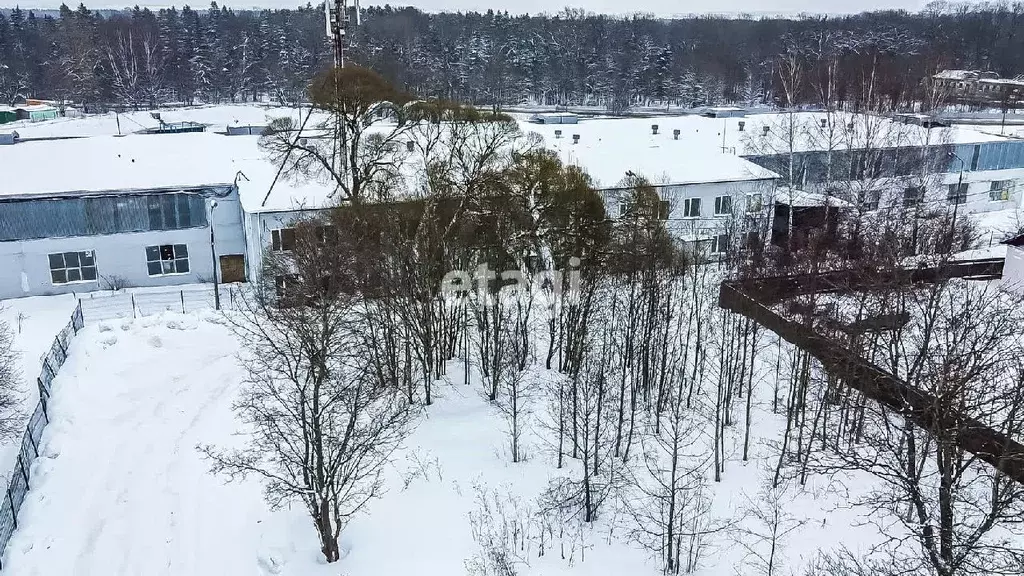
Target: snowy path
[(120, 488)]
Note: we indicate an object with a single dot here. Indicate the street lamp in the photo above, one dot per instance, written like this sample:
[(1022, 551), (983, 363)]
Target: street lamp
[(213, 254)]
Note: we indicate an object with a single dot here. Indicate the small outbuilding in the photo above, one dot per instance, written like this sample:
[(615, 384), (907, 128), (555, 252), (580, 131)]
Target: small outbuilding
[(555, 118), (7, 114)]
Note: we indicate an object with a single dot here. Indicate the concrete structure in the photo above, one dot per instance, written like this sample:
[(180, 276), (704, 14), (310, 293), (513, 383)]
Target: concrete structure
[(54, 244), (706, 195), (1013, 268), (135, 210)]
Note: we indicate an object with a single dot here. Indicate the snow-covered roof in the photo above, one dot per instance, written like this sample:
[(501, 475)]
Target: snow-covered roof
[(609, 148), (963, 75), (703, 135), (148, 162)]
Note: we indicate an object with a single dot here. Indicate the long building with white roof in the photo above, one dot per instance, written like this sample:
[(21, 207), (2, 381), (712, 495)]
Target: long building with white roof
[(139, 210), (84, 213)]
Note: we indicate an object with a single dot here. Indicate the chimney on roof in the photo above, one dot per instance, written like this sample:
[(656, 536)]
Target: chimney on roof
[(558, 133), (675, 134), (742, 124), (766, 129), (575, 138), (654, 129), (824, 123), (410, 145)]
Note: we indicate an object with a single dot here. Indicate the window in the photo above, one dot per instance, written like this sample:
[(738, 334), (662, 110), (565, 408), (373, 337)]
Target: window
[(167, 259), (68, 267), (957, 193), (723, 205), (754, 203), (623, 208), (1000, 190), (284, 284), (720, 244), (691, 208), (283, 239), (913, 195), (663, 210), (869, 199)]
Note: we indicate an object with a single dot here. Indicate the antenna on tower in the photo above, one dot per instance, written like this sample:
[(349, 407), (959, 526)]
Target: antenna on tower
[(337, 20)]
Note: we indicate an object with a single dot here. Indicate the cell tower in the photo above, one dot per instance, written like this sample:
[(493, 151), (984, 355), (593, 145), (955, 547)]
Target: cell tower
[(337, 20)]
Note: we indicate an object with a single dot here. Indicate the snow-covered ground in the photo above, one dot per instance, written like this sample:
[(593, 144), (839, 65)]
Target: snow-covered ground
[(35, 322), (121, 489)]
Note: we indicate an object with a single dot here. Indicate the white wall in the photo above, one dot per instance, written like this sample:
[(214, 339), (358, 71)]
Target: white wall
[(1013, 269), (26, 270), (707, 225), (258, 227)]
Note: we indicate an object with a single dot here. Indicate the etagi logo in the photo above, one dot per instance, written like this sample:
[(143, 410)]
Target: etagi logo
[(550, 283)]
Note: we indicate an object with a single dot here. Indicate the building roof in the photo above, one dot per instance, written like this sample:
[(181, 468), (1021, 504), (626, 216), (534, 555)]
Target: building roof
[(608, 149), (140, 162), (700, 135), (964, 75)]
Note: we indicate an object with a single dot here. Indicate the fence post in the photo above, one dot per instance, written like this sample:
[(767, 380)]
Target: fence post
[(42, 399), (14, 513), (35, 447), (133, 306), (182, 292), (78, 310), (24, 473)]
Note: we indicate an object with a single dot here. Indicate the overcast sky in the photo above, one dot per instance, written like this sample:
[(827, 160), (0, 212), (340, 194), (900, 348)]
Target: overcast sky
[(658, 7)]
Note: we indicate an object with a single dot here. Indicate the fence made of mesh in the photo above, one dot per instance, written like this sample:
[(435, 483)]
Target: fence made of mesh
[(21, 476)]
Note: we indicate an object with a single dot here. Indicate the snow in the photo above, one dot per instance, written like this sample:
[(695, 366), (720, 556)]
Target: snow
[(110, 164), (121, 489), (41, 318), (608, 149), (700, 135), (217, 117)]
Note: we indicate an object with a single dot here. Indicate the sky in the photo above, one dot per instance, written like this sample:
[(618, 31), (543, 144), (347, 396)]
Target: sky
[(664, 8)]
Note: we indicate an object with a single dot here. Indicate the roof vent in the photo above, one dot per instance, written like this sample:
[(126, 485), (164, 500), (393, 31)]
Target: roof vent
[(654, 129), (558, 133), (741, 125), (575, 138), (410, 145), (824, 123), (766, 129), (675, 134)]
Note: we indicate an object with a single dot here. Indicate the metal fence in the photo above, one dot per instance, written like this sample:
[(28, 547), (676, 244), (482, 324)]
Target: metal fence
[(18, 486), (112, 305)]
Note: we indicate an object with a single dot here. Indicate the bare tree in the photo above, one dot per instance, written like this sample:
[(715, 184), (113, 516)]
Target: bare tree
[(10, 382), (321, 425), (766, 523)]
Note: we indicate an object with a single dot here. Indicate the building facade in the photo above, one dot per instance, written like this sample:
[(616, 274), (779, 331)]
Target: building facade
[(61, 243)]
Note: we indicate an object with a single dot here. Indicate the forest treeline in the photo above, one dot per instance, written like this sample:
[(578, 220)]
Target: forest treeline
[(143, 57)]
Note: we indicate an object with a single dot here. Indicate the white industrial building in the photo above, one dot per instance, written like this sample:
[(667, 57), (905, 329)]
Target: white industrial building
[(81, 214), (139, 210)]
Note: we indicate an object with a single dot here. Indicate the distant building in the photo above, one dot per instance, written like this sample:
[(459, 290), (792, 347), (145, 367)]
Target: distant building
[(555, 118), (36, 112), (977, 87), (723, 112)]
